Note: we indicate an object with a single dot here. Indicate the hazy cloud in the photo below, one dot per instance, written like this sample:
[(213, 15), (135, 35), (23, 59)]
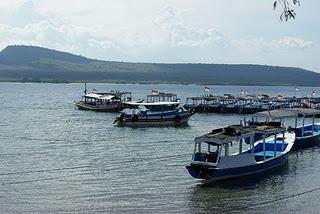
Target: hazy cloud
[(286, 43), (181, 34)]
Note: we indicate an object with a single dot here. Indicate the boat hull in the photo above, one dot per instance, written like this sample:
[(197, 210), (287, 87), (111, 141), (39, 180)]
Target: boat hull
[(307, 140), (155, 123), (159, 119), (216, 174), (304, 142), (102, 108)]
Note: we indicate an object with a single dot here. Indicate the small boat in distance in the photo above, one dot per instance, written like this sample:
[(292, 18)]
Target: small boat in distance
[(112, 101), (212, 158), (145, 118)]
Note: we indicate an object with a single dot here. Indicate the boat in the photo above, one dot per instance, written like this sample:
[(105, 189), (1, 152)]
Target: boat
[(144, 118), (306, 134), (112, 101), (157, 102), (212, 159)]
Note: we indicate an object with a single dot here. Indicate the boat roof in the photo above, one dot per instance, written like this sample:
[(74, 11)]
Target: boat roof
[(152, 104), (102, 96), (288, 113), (162, 94), (226, 135), (307, 111), (269, 129), (277, 113)]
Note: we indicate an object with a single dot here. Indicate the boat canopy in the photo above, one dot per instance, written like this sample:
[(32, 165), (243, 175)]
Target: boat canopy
[(269, 129), (307, 111), (288, 113), (277, 114), (152, 104), (226, 135), (101, 96)]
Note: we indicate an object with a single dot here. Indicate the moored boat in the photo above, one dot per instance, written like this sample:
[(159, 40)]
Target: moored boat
[(143, 118), (112, 101), (306, 134), (212, 159)]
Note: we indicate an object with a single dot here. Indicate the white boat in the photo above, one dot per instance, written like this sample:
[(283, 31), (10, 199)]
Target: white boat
[(157, 102)]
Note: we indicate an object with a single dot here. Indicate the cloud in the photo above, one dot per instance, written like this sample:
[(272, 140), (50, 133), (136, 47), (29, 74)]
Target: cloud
[(285, 43), (180, 34), (57, 36)]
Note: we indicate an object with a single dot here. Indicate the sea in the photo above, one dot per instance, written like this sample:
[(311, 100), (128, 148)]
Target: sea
[(55, 158)]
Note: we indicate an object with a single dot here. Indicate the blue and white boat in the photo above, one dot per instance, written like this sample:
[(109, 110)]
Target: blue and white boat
[(212, 158), (143, 118), (306, 134)]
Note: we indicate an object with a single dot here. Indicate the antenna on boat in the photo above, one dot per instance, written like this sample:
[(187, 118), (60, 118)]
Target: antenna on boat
[(85, 88)]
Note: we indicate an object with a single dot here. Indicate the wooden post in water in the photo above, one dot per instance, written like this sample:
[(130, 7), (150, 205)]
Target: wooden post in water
[(283, 141), (312, 124), (264, 146), (240, 146), (275, 146), (302, 126)]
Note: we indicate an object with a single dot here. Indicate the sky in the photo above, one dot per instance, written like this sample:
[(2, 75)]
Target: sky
[(168, 31)]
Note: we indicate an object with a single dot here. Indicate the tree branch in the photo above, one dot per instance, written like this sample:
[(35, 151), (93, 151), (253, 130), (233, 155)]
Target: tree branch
[(287, 12)]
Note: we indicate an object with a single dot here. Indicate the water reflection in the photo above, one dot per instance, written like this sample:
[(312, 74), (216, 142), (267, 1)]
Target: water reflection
[(239, 194)]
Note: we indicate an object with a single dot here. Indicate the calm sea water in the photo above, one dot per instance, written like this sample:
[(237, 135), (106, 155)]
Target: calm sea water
[(57, 159)]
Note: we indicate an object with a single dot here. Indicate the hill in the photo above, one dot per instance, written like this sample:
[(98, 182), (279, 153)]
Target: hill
[(30, 63)]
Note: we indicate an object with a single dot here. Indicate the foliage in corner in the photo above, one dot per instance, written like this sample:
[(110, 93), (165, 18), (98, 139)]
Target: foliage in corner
[(287, 13)]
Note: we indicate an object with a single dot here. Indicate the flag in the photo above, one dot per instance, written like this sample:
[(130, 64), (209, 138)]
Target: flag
[(279, 97), (241, 90), (206, 89), (154, 92)]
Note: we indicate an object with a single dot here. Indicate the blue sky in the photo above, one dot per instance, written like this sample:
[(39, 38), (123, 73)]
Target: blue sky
[(195, 31)]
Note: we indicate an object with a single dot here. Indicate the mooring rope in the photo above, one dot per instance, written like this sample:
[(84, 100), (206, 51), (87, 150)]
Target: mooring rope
[(279, 199)]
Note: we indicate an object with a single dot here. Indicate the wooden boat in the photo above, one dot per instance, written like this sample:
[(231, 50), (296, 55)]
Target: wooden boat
[(212, 160), (145, 118), (112, 101), (306, 134)]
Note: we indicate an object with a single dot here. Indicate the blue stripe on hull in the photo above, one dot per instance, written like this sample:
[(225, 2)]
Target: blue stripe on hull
[(204, 172)]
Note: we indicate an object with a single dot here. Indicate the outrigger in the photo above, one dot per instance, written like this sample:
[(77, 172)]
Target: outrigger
[(212, 160)]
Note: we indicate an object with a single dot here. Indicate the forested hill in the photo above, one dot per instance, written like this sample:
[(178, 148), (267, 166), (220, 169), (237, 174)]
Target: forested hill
[(30, 63)]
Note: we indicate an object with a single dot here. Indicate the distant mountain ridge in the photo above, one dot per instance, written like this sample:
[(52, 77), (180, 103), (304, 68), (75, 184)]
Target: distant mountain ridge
[(20, 55), (31, 63)]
